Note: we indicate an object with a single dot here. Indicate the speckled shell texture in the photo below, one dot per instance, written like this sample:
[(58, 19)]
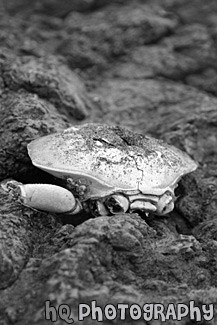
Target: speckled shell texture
[(111, 159)]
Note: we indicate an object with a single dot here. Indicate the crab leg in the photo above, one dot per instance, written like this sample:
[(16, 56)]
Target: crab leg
[(46, 197)]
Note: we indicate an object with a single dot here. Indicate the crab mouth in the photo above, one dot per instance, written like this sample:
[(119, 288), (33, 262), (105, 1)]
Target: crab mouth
[(159, 205)]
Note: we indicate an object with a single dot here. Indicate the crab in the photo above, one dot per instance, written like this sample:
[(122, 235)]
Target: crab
[(105, 170)]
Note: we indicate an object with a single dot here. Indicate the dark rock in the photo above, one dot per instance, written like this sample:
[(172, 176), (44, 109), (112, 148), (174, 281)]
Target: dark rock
[(50, 79), (176, 57), (24, 117), (131, 258), (53, 8), (135, 103), (16, 242), (116, 29)]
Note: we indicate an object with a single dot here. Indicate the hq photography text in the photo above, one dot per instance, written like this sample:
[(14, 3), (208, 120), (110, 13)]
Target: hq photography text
[(147, 312)]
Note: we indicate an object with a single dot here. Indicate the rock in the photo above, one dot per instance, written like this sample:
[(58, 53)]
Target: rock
[(116, 29), (50, 79), (53, 8), (131, 258), (15, 241), (181, 57), (24, 116), (135, 103)]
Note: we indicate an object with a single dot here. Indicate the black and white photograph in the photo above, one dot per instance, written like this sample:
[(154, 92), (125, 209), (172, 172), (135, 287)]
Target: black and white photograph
[(108, 162)]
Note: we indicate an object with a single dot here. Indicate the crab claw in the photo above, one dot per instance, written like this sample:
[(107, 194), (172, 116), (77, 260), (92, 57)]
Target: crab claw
[(46, 197)]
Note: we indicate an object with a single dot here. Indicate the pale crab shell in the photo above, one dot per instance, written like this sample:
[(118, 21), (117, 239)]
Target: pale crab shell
[(111, 159)]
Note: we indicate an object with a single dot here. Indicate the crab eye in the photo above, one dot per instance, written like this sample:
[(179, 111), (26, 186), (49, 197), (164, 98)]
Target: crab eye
[(117, 204)]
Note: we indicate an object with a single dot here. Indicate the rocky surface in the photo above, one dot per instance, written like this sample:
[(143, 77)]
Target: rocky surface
[(150, 66)]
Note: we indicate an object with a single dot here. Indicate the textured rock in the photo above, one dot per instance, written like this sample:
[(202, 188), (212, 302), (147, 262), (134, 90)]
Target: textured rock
[(53, 8), (14, 250), (180, 57), (80, 271), (50, 79), (16, 243), (154, 106), (116, 29), (24, 116)]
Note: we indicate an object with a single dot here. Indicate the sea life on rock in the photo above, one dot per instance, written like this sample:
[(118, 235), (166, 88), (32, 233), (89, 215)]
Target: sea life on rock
[(105, 170)]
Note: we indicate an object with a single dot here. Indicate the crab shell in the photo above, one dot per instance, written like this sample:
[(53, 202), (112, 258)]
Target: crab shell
[(111, 159)]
